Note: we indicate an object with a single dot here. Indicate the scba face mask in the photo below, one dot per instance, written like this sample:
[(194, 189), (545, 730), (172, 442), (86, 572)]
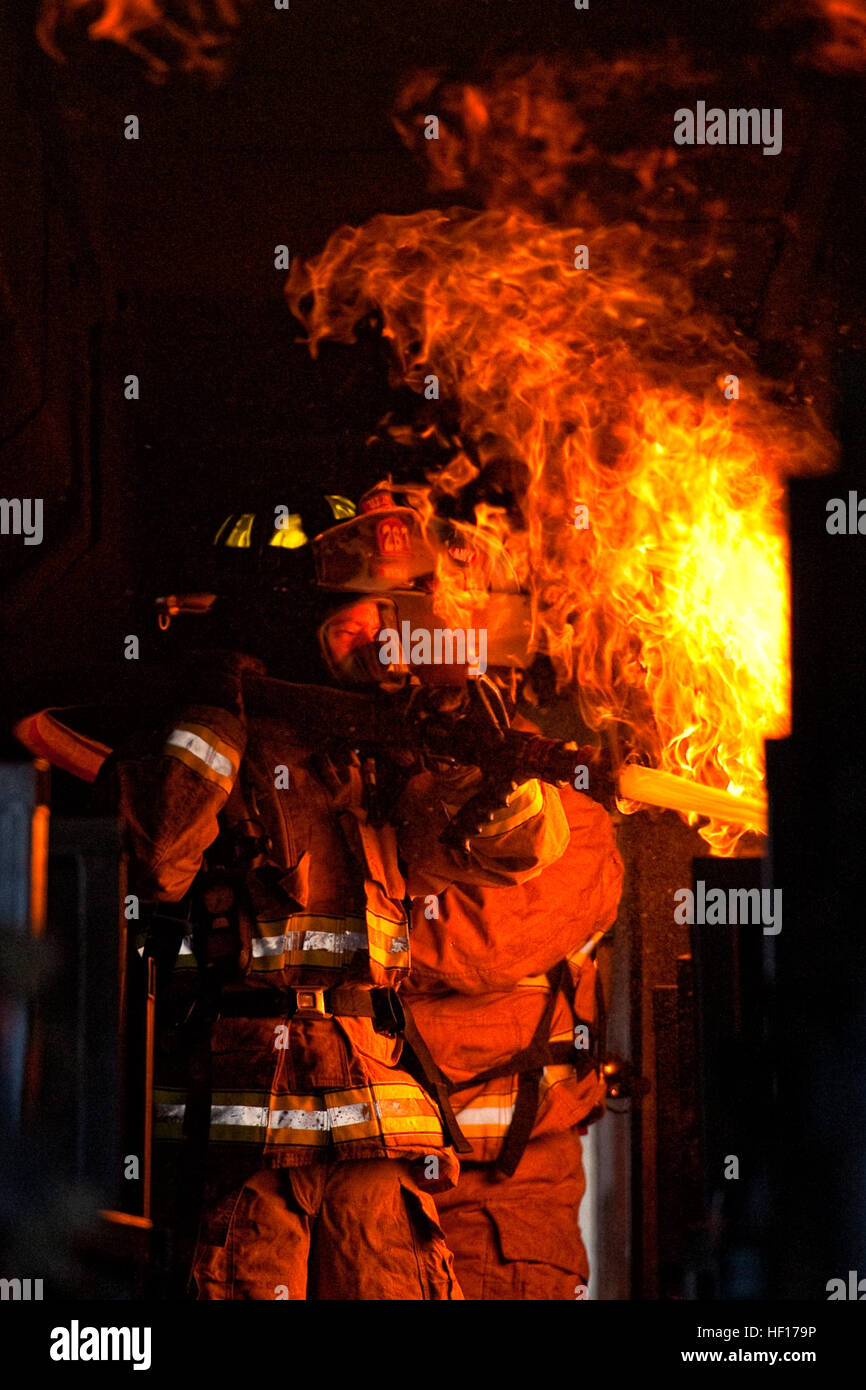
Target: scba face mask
[(351, 647)]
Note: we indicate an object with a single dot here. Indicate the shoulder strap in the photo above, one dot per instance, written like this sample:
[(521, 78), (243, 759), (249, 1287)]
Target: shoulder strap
[(529, 1083), (529, 1066), (522, 1122), (436, 1080), (536, 1053)]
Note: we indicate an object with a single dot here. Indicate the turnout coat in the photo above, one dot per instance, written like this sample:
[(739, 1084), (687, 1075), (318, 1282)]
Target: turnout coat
[(322, 905)]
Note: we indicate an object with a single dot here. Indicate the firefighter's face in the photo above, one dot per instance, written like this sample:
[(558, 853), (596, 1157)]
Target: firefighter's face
[(350, 643), (351, 628)]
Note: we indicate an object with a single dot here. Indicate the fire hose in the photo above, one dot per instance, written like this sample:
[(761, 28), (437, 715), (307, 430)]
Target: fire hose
[(475, 732)]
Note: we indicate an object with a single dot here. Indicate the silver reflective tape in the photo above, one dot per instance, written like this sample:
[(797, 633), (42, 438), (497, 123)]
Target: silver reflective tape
[(186, 947), (250, 1116), (336, 943), (277, 945), (182, 738), (340, 1115), (260, 1117), (173, 1113), (486, 1115), (299, 1119)]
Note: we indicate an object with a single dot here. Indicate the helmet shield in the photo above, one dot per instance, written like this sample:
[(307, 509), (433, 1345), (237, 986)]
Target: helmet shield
[(382, 549)]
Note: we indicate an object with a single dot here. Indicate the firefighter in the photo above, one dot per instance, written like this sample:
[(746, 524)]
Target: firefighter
[(498, 971), (504, 991), (288, 1081)]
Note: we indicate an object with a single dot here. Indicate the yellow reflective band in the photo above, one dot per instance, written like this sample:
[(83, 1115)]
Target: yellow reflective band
[(343, 508), (289, 532), (389, 1110), (239, 536), (246, 1116), (388, 1100), (489, 1119), (308, 939), (491, 1114), (345, 1116), (407, 1117), (204, 752), (389, 942)]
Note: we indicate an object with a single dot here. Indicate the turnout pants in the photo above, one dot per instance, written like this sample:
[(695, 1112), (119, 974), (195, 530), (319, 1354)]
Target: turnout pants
[(517, 1238), (333, 1229)]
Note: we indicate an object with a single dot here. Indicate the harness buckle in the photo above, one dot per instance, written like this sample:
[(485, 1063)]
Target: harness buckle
[(310, 1003)]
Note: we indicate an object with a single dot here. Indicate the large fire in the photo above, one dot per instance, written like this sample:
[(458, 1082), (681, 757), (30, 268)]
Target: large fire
[(650, 530), (652, 534)]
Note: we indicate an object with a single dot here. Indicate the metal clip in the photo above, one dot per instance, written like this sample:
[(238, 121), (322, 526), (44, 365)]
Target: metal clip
[(171, 605), (310, 1003)]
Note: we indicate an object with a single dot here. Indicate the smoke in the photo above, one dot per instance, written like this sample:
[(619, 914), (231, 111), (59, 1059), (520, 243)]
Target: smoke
[(837, 37), (189, 36), (552, 135)]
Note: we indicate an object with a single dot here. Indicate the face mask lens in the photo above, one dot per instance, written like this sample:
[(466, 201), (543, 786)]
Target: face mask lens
[(351, 646)]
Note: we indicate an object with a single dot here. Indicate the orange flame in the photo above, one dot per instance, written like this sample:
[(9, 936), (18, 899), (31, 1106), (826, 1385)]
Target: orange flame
[(606, 383), (186, 35)]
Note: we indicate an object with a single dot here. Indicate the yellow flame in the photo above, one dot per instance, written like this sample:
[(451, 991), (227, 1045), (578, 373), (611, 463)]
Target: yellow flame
[(670, 607)]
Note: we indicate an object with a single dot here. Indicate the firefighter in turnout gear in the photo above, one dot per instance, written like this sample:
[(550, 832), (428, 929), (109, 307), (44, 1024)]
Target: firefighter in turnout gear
[(307, 1130), (504, 991)]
